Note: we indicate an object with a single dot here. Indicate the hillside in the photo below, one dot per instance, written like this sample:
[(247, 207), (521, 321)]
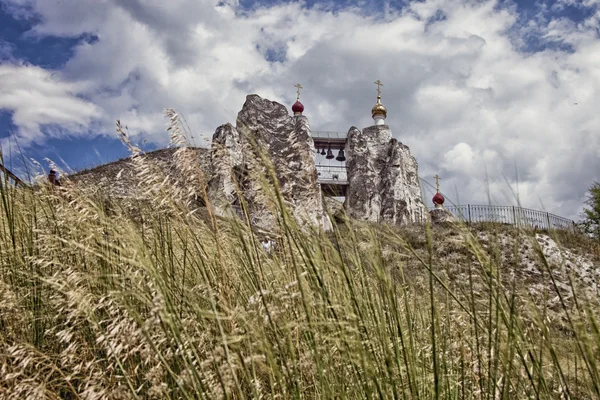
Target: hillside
[(520, 256), (97, 304), (120, 179)]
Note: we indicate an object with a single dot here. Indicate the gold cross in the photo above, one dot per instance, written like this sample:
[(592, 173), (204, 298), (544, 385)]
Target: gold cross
[(298, 87), (437, 182), (379, 84)]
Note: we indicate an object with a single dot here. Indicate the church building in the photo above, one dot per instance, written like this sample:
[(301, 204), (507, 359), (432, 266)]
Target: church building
[(374, 173)]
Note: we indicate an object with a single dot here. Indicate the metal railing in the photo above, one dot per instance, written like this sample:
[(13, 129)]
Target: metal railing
[(8, 175), (329, 135), (332, 174), (511, 215)]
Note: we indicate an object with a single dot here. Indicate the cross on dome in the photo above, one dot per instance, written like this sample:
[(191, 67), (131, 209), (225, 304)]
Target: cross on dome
[(298, 107), (437, 182), (298, 87), (379, 84), (379, 112), (438, 198)]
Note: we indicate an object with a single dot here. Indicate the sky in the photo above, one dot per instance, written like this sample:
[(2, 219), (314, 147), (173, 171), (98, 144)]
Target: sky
[(498, 97)]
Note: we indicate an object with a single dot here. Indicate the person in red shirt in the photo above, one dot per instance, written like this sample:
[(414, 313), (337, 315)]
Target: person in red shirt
[(52, 178)]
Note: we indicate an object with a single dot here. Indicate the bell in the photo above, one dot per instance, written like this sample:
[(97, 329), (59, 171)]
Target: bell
[(341, 157), (318, 151), (329, 155), (323, 152)]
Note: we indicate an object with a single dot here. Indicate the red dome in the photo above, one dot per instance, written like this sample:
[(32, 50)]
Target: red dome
[(438, 199), (297, 107)]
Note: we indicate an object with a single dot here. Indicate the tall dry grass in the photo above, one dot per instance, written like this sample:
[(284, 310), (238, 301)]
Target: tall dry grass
[(97, 303)]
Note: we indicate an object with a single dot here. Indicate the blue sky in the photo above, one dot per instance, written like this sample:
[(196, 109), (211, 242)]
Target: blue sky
[(49, 53), (470, 84)]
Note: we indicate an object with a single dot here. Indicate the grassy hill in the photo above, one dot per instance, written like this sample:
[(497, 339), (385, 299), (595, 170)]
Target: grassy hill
[(120, 179), (172, 303)]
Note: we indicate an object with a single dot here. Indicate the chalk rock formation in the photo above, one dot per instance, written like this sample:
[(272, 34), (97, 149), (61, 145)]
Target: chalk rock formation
[(383, 184), (227, 163), (265, 131)]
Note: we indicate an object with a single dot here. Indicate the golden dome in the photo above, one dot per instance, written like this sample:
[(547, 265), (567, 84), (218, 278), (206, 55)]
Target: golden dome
[(379, 109)]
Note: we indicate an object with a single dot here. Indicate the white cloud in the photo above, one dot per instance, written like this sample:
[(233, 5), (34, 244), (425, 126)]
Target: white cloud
[(458, 90), (6, 50), (37, 97)]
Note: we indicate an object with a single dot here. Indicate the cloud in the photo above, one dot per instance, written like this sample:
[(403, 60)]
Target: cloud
[(561, 4), (6, 50), (460, 87), (37, 98)]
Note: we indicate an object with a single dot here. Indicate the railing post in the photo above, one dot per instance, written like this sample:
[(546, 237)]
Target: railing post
[(514, 216), (548, 218), (469, 210)]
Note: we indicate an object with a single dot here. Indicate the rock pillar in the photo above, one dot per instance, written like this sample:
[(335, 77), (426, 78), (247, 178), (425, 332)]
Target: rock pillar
[(265, 129), (383, 183)]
